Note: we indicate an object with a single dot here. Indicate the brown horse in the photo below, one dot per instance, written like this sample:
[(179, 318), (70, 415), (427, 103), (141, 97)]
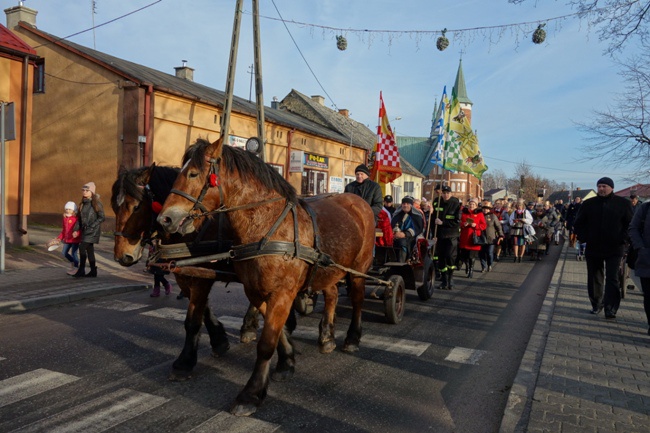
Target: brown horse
[(282, 246), (135, 194)]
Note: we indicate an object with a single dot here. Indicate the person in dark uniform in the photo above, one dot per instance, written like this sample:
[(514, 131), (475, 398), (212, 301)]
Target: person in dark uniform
[(446, 217), (388, 204), (367, 189)]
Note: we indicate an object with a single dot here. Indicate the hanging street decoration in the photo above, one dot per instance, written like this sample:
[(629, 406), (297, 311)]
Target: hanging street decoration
[(540, 34), (341, 43), (442, 43)]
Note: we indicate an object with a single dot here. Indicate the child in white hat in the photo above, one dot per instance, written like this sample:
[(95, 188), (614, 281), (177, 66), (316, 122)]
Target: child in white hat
[(69, 237)]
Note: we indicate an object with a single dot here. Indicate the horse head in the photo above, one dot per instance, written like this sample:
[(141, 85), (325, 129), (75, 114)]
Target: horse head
[(133, 213), (197, 189)]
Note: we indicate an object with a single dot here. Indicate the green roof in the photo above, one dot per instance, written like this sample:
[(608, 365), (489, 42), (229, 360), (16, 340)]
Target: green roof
[(459, 86)]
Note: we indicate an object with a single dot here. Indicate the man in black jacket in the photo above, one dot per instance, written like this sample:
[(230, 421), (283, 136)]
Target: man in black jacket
[(602, 223), (446, 217), (366, 189)]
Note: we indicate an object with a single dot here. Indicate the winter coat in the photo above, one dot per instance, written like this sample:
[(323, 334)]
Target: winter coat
[(411, 223), (466, 233), (603, 223), (505, 220), (493, 230), (383, 225), (543, 231), (449, 213), (90, 221), (68, 228), (639, 232), (369, 191)]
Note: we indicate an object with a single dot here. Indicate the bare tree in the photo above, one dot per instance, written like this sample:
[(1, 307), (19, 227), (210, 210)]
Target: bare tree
[(617, 21), (621, 133)]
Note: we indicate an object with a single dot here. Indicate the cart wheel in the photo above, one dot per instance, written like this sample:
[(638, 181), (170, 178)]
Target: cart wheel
[(394, 300), (304, 304), (425, 291)]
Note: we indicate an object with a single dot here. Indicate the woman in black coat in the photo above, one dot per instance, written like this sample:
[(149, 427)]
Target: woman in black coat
[(640, 237), (91, 217)]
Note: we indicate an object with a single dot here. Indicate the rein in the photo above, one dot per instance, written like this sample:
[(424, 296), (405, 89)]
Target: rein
[(151, 234), (264, 247)]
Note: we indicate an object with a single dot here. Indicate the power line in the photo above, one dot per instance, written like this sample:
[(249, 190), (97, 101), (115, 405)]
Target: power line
[(301, 54), (102, 24)]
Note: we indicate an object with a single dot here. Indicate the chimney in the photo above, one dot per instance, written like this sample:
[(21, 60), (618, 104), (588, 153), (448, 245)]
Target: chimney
[(185, 72), (318, 98), (275, 104), (20, 13), (344, 112)]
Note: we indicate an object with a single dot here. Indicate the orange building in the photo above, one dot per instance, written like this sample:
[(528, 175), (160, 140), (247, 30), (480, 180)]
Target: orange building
[(17, 67)]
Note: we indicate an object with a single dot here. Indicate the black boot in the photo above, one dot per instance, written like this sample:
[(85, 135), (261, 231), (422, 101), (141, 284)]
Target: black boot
[(443, 279), (450, 280), (81, 272), (470, 267), (92, 273)]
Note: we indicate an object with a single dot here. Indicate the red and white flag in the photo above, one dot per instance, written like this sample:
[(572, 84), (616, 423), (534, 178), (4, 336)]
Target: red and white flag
[(386, 165)]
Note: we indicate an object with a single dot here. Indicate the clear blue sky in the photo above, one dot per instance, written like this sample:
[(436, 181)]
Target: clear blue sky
[(526, 97)]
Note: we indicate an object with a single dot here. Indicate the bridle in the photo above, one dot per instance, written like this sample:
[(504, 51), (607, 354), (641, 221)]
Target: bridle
[(213, 180), (144, 239)]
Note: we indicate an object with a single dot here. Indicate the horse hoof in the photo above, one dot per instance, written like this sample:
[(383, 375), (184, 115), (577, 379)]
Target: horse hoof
[(248, 336), (179, 375), (241, 409), (350, 348), (220, 350), (327, 347), (282, 376)]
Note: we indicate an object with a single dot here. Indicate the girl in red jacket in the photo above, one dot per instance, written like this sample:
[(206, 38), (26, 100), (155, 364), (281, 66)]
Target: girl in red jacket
[(471, 221), (70, 238)]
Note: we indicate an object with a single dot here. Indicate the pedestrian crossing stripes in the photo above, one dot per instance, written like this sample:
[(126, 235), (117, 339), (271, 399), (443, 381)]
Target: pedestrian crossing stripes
[(118, 305), (224, 422), (233, 324), (464, 355), (30, 384), (98, 415), (167, 313)]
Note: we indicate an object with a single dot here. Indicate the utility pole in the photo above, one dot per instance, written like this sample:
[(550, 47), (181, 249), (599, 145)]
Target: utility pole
[(251, 71), (259, 93)]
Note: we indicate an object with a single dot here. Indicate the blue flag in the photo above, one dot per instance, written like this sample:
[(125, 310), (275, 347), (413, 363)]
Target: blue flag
[(438, 135)]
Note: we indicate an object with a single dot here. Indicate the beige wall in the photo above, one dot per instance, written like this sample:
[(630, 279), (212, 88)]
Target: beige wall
[(76, 138)]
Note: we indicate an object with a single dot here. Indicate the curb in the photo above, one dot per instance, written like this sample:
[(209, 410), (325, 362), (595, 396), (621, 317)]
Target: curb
[(9, 307), (517, 411)]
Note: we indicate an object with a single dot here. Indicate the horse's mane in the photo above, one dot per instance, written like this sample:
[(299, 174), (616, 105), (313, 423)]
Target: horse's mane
[(249, 166), (129, 183)]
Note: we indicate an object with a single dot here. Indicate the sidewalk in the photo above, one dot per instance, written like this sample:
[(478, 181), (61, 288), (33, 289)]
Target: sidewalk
[(581, 372), (35, 277)]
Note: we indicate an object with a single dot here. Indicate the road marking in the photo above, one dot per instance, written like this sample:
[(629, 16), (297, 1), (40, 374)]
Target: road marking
[(224, 421), (379, 342), (464, 355), (100, 414), (167, 313), (30, 384), (2, 359), (117, 305)]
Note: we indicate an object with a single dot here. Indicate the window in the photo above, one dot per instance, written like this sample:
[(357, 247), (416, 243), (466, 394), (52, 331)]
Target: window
[(39, 76), (408, 188)]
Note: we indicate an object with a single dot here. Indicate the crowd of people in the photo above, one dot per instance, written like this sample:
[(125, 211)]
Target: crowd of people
[(489, 232)]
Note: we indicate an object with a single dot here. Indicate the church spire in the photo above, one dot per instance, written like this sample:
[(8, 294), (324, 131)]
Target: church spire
[(459, 85)]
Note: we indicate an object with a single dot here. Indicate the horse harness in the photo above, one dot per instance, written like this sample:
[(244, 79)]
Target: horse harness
[(265, 247)]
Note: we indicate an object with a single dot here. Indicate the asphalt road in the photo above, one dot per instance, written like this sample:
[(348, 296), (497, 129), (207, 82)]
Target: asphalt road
[(102, 365)]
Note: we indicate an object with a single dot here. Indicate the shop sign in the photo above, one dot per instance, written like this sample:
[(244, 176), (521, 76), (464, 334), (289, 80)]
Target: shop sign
[(296, 161), (235, 141), (336, 184), (316, 161)]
